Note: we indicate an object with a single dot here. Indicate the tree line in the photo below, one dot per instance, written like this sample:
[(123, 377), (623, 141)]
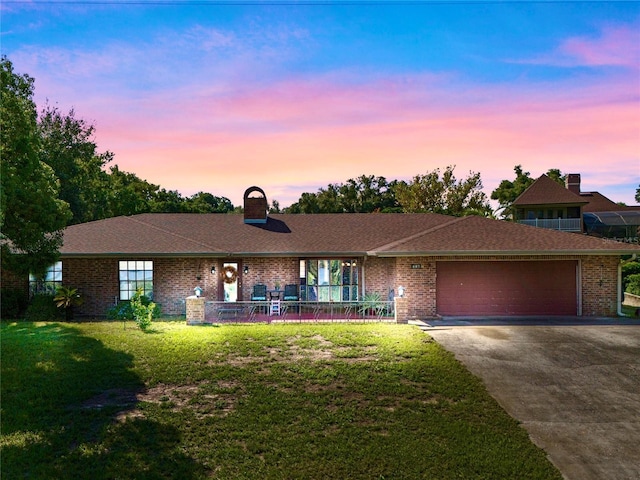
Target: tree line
[(434, 192)]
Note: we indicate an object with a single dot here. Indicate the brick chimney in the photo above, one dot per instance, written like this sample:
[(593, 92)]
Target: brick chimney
[(255, 208), (573, 182)]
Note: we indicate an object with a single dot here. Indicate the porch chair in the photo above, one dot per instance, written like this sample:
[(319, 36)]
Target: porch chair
[(259, 294), (291, 295)]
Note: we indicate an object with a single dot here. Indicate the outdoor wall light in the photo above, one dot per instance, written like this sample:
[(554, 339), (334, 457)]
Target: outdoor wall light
[(245, 269), (213, 269), (401, 291)]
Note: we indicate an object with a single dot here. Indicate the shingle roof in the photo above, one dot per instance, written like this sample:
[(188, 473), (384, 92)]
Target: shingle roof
[(221, 235), (545, 191), (599, 203), (475, 235)]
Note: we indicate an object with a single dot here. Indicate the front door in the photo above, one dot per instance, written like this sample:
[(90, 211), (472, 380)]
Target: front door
[(231, 282)]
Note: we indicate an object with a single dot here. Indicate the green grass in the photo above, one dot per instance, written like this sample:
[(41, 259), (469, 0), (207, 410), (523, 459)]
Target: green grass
[(369, 401)]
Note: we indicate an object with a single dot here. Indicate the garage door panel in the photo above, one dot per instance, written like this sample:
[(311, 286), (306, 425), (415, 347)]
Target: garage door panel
[(507, 288)]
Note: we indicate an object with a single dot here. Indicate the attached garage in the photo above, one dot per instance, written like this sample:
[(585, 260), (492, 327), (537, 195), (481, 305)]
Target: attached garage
[(507, 287)]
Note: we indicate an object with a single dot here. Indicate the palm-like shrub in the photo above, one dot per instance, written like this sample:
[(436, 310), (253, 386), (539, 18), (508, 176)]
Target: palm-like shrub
[(67, 298)]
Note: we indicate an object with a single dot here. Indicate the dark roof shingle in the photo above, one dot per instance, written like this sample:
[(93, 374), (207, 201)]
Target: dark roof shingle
[(545, 191), (475, 235), (596, 202), (221, 235)]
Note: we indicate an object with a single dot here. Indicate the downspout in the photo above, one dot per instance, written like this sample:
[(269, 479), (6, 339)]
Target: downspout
[(620, 293)]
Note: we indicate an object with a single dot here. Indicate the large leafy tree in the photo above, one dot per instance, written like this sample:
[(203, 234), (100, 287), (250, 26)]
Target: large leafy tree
[(307, 203), (557, 175), (368, 194), (203, 202), (443, 193), (129, 194), (166, 201), (67, 146), (508, 190), (93, 193), (31, 213), (365, 194)]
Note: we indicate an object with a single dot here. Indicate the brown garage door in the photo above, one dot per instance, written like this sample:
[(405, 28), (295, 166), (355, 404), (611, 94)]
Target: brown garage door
[(507, 288)]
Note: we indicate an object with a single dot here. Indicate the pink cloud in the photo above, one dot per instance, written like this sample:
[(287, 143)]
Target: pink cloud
[(617, 46), (310, 133)]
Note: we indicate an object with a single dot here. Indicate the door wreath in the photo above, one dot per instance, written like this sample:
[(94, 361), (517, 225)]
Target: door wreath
[(229, 274)]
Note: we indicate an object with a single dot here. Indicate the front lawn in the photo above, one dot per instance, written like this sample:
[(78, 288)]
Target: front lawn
[(368, 401)]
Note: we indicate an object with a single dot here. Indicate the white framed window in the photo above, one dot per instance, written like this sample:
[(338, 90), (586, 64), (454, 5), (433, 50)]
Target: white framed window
[(329, 280), (134, 275), (49, 283)]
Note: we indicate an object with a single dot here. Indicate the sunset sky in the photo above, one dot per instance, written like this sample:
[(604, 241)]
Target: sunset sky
[(291, 96)]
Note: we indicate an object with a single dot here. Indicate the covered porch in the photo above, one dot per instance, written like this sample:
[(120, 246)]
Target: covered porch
[(202, 311)]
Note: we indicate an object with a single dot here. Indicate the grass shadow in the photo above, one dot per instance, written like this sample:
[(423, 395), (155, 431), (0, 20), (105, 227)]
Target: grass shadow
[(61, 392)]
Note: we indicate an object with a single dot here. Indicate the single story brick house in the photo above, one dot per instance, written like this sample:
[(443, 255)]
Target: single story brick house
[(445, 265)]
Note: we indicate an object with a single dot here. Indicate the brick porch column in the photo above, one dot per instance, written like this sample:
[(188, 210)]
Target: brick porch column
[(401, 310), (195, 310)]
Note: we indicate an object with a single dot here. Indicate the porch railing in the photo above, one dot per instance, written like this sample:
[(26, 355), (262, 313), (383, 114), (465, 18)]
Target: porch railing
[(297, 311), (564, 224)]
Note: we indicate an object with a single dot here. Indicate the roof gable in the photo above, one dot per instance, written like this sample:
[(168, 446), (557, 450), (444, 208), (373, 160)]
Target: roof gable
[(545, 191)]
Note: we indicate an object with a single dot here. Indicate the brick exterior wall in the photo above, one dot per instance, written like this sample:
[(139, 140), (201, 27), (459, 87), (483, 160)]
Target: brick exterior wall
[(599, 286), (176, 278), (96, 280), (380, 276), (418, 277), (268, 270)]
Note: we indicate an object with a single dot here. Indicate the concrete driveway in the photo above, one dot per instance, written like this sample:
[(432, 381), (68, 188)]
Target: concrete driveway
[(574, 387)]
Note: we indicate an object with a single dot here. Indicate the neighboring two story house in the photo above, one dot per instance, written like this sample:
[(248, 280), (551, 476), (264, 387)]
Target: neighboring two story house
[(548, 204)]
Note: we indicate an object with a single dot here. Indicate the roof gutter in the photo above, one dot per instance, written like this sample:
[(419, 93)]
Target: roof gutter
[(466, 253), (142, 255), (211, 255)]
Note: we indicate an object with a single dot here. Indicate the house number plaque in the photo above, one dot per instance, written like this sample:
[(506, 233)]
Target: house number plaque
[(416, 266)]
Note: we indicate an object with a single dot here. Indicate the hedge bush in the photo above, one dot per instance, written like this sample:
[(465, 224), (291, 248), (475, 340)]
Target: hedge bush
[(13, 303), (42, 308), (629, 269), (633, 284)]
